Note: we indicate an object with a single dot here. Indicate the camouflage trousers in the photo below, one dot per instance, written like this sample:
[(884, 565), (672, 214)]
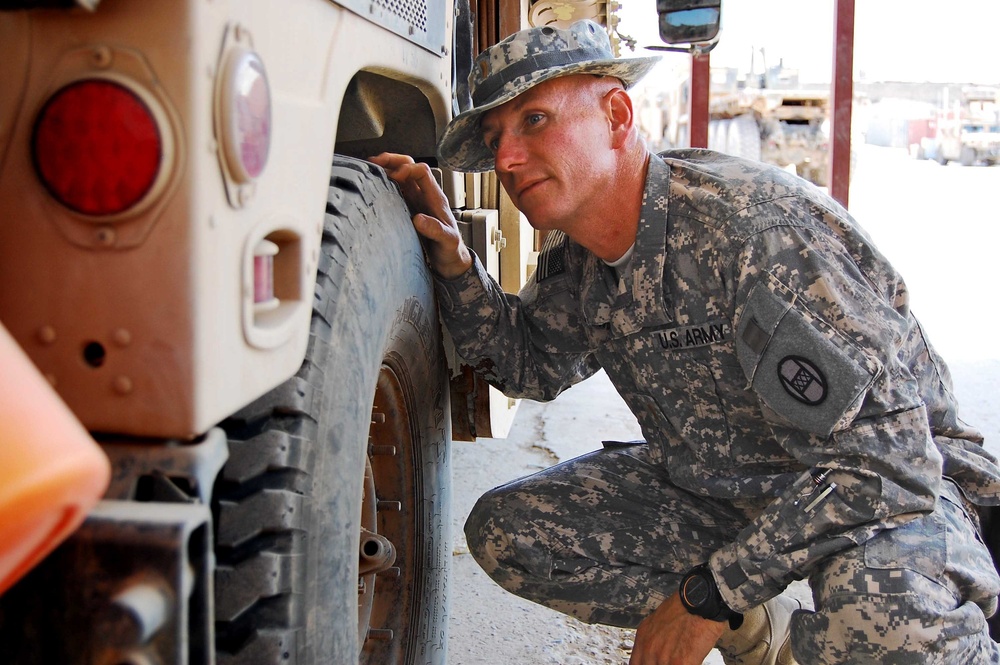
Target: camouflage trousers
[(606, 537)]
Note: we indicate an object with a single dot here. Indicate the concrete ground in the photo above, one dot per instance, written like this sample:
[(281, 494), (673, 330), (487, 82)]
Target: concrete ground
[(939, 227)]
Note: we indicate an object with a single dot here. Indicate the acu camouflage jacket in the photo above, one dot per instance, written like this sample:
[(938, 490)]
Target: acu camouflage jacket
[(760, 339)]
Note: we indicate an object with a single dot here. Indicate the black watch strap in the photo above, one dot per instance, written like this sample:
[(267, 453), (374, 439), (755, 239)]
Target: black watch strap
[(700, 596)]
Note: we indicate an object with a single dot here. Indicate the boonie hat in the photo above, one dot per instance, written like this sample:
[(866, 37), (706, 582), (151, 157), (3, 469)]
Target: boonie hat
[(520, 62)]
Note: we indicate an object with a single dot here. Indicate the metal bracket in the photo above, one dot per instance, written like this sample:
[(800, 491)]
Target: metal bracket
[(172, 471), (132, 585)]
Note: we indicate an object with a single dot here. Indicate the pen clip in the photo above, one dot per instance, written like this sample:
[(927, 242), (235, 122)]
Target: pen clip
[(822, 495)]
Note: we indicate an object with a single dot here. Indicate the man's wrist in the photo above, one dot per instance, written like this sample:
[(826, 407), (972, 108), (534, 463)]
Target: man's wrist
[(700, 596), (456, 266)]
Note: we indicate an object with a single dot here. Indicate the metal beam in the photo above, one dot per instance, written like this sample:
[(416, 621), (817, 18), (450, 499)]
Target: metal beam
[(700, 83), (843, 97)]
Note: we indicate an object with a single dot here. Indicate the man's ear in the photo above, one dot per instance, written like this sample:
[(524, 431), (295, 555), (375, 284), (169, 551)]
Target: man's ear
[(621, 116)]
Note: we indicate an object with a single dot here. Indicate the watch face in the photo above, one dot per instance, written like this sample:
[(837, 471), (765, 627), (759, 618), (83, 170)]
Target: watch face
[(696, 591)]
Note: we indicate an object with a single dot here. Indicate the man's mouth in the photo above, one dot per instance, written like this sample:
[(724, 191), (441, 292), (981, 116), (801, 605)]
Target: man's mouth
[(524, 188)]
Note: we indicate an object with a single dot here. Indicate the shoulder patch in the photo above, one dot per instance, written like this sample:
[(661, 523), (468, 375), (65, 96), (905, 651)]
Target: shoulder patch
[(802, 380), (798, 365), (552, 258)]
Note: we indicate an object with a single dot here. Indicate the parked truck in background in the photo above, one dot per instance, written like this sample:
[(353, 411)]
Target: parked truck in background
[(966, 131), (196, 256), (766, 116)]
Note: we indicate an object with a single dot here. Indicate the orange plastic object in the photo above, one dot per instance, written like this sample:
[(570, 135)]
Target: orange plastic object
[(51, 471)]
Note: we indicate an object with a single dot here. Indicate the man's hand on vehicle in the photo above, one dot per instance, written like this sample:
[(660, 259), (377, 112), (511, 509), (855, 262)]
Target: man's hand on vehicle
[(449, 256), (673, 636)]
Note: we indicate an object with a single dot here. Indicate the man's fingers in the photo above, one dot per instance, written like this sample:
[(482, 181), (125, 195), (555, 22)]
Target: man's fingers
[(431, 228), (433, 220), (391, 161), (427, 226), (417, 182), (400, 168)]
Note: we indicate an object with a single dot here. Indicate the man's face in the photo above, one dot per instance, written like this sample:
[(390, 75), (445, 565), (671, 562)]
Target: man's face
[(553, 150)]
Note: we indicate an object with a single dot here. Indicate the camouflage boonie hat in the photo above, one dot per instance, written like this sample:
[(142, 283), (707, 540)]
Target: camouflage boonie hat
[(521, 61)]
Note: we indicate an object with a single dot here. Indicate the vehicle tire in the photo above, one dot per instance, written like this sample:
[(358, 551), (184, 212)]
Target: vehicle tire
[(967, 156), (357, 439), (717, 131), (743, 138)]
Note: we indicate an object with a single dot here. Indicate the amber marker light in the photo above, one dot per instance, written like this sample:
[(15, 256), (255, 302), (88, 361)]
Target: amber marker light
[(245, 99)]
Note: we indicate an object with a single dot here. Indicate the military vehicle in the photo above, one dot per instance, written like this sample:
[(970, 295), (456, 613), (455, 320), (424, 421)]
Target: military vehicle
[(967, 132), (767, 117)]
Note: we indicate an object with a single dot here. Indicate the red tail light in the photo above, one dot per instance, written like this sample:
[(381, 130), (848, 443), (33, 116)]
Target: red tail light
[(97, 147)]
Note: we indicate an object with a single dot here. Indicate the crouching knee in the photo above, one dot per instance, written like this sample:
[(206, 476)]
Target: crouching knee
[(505, 542)]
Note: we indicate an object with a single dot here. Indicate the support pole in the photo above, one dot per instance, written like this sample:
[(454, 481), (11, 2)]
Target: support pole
[(843, 98), (698, 112)]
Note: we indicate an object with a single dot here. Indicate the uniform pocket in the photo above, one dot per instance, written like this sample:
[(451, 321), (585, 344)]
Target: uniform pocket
[(919, 545)]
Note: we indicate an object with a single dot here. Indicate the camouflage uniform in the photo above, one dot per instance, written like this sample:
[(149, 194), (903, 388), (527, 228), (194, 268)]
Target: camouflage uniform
[(798, 424)]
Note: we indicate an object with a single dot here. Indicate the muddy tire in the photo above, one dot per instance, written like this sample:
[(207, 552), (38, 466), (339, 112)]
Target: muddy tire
[(346, 460)]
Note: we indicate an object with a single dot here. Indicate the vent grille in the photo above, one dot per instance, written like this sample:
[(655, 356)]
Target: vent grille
[(419, 21), (412, 12)]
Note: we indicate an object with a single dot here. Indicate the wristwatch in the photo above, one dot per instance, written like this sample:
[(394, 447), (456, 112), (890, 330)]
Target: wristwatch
[(701, 597)]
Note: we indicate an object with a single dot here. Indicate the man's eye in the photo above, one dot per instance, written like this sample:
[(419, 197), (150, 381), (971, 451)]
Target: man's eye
[(492, 144), (534, 118)]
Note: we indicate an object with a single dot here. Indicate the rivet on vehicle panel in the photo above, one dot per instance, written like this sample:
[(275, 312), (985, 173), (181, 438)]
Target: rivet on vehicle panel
[(105, 236), (392, 571), (382, 450), (46, 334), (101, 57), (391, 506), (121, 337), (379, 634), (378, 418), (123, 385)]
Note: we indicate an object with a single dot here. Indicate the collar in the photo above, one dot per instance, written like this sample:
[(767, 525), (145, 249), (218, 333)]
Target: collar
[(640, 298)]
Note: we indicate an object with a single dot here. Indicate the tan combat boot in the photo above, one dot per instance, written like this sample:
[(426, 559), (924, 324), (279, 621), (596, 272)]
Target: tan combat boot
[(764, 637)]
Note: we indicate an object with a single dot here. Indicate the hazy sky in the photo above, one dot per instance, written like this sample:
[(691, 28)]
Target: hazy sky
[(905, 40)]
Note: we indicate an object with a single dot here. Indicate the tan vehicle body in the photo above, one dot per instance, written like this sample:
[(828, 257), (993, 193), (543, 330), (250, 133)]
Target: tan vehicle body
[(168, 292)]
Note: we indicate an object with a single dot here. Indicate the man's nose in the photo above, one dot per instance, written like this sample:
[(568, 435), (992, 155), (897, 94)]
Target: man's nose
[(510, 153)]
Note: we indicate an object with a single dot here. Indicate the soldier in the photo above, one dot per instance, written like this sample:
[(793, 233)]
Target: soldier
[(798, 424)]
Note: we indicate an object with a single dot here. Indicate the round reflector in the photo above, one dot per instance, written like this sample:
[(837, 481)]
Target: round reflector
[(246, 115), (97, 147)]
